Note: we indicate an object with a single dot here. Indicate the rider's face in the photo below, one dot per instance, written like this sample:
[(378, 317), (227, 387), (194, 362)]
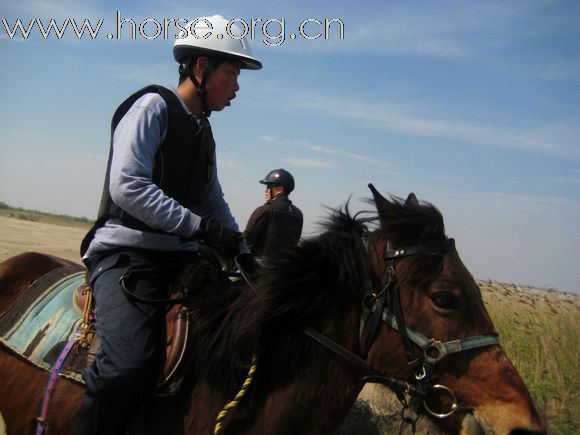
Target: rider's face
[(222, 85), (273, 191)]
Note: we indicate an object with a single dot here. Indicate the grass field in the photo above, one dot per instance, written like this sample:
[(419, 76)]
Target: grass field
[(539, 329)]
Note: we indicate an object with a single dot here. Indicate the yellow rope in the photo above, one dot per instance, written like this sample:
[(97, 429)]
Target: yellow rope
[(86, 333), (224, 412), (87, 308)]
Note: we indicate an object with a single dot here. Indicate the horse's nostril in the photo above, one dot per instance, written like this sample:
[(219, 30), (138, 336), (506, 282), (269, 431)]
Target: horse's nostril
[(526, 432)]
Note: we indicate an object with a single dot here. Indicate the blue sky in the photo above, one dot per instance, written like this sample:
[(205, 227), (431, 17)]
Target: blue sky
[(473, 106)]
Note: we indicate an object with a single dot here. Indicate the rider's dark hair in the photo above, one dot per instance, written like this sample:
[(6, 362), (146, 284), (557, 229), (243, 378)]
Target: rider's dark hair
[(187, 66)]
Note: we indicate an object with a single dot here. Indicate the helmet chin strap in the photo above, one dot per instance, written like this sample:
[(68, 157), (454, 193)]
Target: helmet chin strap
[(200, 89)]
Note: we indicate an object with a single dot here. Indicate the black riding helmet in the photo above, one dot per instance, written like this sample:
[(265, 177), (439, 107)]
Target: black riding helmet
[(279, 177)]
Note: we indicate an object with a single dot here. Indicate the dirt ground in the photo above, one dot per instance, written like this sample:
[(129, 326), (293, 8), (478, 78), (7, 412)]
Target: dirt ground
[(17, 236)]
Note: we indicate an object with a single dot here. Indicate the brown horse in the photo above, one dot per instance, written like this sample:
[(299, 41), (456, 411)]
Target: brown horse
[(410, 286)]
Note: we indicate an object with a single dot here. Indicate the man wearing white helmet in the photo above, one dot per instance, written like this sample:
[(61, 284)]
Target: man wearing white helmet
[(161, 199)]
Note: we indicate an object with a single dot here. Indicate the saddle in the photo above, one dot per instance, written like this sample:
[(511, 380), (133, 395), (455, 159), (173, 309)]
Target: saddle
[(179, 352), (57, 309)]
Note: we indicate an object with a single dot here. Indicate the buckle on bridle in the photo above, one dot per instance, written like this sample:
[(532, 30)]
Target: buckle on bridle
[(434, 351), (422, 374)]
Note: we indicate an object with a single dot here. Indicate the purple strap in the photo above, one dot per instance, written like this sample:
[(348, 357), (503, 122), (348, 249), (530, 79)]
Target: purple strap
[(41, 419)]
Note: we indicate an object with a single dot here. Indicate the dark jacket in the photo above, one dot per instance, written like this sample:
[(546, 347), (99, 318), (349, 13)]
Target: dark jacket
[(273, 227)]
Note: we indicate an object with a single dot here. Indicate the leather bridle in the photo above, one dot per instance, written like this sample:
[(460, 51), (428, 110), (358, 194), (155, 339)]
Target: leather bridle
[(432, 350)]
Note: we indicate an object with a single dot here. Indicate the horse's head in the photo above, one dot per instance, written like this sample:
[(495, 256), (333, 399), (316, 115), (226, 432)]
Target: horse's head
[(446, 346)]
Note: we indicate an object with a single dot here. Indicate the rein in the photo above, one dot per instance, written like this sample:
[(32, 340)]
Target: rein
[(54, 374), (432, 350)]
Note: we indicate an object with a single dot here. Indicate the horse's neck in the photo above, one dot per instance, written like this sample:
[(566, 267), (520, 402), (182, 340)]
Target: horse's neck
[(315, 401), (323, 391)]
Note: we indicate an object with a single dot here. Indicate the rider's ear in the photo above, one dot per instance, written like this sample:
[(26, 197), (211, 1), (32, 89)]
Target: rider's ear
[(202, 65)]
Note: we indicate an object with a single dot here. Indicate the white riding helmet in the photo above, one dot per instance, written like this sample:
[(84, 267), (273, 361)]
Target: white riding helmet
[(215, 36)]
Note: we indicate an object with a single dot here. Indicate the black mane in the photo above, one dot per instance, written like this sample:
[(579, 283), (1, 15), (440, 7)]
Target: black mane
[(319, 280), (321, 277)]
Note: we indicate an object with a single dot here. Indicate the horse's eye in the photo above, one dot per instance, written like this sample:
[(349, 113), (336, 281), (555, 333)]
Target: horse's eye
[(444, 300)]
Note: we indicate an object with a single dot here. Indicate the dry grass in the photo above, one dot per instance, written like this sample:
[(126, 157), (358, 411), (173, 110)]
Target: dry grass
[(539, 329)]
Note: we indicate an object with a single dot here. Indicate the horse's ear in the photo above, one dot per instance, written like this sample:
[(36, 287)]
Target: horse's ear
[(377, 196), (412, 200)]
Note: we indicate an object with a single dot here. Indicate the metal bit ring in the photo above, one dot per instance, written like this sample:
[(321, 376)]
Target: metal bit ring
[(454, 406)]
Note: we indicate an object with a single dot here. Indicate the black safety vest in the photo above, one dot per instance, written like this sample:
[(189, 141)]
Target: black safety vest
[(183, 162)]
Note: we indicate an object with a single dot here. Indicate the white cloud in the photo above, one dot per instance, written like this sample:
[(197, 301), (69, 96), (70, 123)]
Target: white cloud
[(322, 149), (501, 205), (348, 155), (267, 138), (561, 71), (559, 137), (418, 35), (567, 180), (16, 38), (59, 10), (228, 163), (310, 163), (446, 29), (140, 74)]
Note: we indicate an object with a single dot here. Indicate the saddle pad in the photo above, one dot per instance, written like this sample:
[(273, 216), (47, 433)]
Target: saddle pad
[(40, 323)]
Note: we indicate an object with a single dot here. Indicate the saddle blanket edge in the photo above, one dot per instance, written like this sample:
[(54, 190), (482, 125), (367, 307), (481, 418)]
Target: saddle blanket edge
[(36, 332)]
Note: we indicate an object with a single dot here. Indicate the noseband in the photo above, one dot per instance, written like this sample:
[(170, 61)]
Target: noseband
[(432, 350)]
